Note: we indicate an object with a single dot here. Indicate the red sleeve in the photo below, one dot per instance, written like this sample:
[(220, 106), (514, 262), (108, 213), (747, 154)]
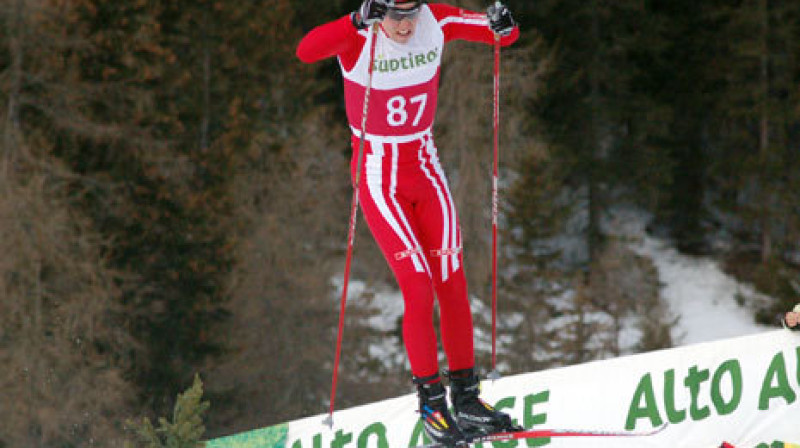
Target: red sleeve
[(337, 38), (459, 23)]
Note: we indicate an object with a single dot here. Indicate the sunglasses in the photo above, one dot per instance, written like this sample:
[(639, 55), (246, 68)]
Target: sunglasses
[(400, 14)]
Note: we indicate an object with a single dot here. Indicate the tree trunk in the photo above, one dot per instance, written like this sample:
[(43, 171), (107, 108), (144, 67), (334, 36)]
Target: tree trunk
[(765, 201), (594, 143), (206, 120), (16, 28)]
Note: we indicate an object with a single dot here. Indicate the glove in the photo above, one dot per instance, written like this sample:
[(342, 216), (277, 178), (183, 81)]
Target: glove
[(500, 20), (369, 13)]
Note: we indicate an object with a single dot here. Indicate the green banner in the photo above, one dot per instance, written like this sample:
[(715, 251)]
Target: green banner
[(272, 437)]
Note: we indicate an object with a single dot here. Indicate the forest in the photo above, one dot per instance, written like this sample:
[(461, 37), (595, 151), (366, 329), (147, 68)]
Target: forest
[(174, 191)]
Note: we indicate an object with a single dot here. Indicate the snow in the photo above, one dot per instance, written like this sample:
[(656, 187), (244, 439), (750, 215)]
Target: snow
[(702, 295), (710, 304)]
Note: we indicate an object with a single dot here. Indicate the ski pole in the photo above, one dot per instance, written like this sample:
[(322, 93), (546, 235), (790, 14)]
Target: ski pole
[(495, 206), (352, 230)]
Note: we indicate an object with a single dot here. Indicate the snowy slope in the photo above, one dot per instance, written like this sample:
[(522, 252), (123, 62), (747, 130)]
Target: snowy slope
[(710, 304), (702, 295)]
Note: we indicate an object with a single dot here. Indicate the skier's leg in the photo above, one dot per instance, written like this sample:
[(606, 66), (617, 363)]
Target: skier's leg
[(388, 215), (391, 221), (455, 320), (441, 236)]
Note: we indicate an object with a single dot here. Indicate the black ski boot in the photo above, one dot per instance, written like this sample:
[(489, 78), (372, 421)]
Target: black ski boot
[(474, 416), (436, 418)]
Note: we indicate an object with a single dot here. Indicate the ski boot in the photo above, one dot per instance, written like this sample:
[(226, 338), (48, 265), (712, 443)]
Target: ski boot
[(436, 418), (474, 416)]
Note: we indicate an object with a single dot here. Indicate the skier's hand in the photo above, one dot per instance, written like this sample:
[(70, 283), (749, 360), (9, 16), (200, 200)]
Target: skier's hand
[(369, 13), (500, 19)]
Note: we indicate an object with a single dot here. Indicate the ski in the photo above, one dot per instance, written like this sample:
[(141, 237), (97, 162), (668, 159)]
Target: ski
[(544, 433)]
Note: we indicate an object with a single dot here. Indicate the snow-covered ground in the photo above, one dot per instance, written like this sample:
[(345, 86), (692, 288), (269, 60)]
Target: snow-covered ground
[(710, 304)]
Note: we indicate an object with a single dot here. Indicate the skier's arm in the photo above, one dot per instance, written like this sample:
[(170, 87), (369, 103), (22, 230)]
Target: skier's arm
[(458, 23), (337, 38)]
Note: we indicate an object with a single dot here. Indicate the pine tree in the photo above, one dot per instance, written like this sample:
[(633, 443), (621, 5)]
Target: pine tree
[(291, 192), (756, 160), (601, 111), (62, 343), (163, 198), (186, 428)]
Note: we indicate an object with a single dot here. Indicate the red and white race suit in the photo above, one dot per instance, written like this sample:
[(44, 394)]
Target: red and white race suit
[(404, 193)]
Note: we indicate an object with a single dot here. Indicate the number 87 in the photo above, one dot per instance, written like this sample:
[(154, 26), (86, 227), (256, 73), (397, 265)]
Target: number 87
[(397, 109)]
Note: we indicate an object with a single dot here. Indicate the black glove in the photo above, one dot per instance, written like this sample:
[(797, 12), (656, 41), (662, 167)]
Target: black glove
[(500, 20), (370, 12)]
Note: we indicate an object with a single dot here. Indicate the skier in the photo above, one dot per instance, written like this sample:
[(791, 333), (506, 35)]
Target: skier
[(404, 194)]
